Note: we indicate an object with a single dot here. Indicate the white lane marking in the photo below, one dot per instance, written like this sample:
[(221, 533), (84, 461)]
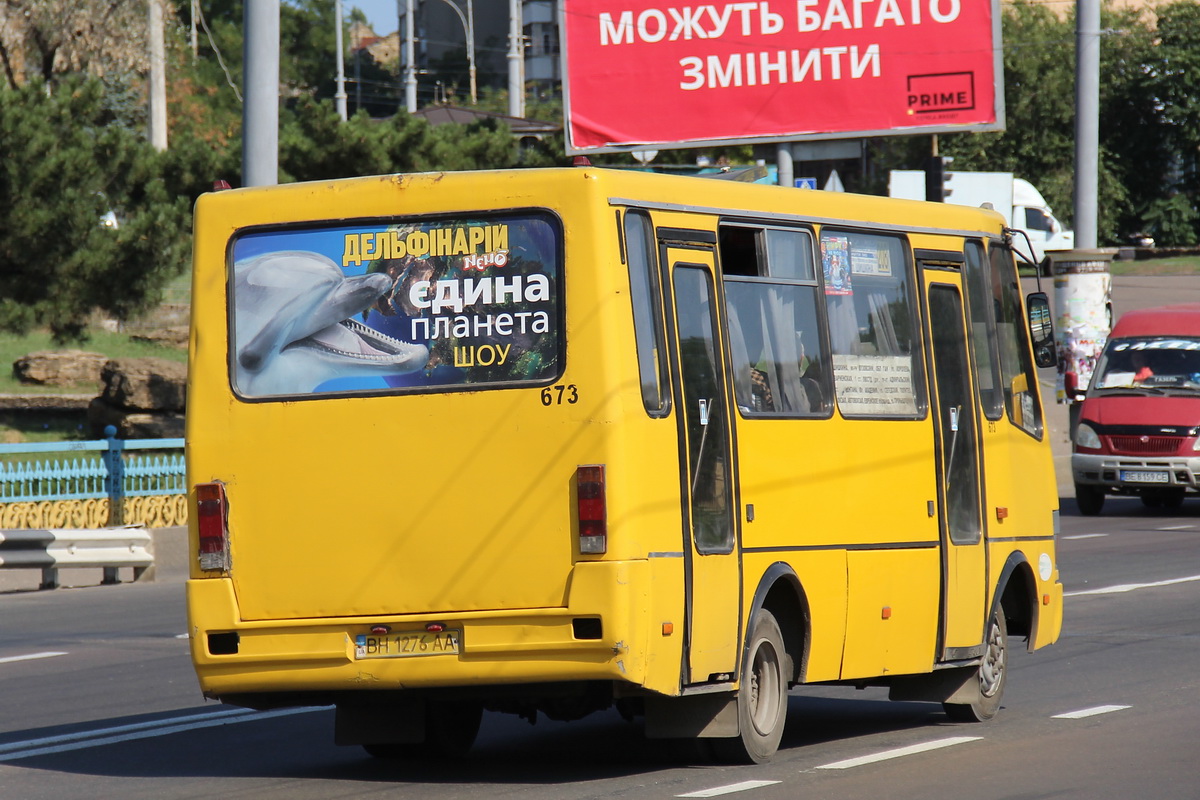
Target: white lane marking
[(134, 726), (900, 752), (1087, 536), (1089, 712), (1129, 587), (1176, 528), (135, 731), (31, 656), (730, 789)]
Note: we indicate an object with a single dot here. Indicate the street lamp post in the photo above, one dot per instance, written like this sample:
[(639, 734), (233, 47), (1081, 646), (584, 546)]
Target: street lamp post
[(468, 23), (340, 96)]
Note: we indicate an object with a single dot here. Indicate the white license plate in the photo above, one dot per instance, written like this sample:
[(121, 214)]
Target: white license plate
[(1143, 476), (406, 644)]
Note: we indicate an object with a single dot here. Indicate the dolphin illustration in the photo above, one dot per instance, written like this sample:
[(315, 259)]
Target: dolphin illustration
[(293, 326)]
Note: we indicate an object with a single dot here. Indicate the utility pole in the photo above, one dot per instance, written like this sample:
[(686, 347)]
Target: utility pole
[(158, 78), (260, 111), (340, 96), (193, 7), (1087, 122), (516, 61), (410, 59)]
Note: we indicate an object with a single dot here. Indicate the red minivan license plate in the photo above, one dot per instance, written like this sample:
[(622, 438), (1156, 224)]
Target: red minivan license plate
[(1144, 476)]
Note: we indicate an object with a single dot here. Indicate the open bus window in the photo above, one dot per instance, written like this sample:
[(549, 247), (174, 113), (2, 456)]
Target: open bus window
[(779, 359), (386, 305), (871, 323)]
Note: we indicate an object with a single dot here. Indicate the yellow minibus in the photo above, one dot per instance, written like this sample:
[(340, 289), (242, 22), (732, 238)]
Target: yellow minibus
[(558, 441)]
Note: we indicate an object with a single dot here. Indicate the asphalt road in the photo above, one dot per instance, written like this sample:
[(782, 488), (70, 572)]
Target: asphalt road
[(98, 699)]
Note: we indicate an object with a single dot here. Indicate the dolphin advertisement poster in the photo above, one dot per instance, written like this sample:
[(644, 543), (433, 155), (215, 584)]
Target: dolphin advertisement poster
[(377, 307)]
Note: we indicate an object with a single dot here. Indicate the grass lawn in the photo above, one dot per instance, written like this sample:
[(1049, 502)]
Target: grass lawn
[(1180, 265)]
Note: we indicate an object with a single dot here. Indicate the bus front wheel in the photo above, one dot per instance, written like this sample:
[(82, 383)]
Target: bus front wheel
[(762, 698), (1089, 498), (990, 677)]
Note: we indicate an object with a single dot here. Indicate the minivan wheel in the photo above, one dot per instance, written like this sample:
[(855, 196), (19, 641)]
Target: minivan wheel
[(1090, 499)]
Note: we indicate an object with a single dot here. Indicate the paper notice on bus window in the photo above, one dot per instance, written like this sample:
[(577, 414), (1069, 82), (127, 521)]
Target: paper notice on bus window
[(871, 261), (835, 261), (872, 385)]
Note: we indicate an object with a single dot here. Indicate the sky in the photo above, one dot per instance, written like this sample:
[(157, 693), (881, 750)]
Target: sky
[(382, 14)]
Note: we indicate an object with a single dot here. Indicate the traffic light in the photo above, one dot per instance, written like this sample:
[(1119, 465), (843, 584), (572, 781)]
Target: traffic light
[(935, 179)]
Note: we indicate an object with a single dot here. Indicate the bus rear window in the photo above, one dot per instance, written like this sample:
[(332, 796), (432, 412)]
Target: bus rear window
[(396, 306)]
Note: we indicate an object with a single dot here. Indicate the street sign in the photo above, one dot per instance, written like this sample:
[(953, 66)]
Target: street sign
[(806, 183)]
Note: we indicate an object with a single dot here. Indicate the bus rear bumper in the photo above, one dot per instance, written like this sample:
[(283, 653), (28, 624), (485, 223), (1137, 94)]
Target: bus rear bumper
[(295, 656)]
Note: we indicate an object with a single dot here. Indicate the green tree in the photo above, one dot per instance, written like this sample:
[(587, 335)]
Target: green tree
[(1038, 142), (1176, 81), (58, 261)]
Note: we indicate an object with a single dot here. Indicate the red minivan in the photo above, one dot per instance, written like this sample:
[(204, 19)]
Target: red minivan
[(1138, 426)]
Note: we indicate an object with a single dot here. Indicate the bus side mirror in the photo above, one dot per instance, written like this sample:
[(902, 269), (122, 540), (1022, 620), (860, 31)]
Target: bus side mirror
[(1041, 329)]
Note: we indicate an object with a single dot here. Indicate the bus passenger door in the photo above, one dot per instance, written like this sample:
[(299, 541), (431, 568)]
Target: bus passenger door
[(711, 559), (964, 555)]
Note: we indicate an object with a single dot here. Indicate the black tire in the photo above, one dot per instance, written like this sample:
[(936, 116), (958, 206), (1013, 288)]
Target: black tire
[(1169, 499), (762, 697), (991, 676), (450, 730), (1173, 498), (1089, 498)]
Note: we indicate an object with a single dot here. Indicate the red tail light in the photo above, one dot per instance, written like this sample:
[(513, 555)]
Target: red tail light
[(1070, 383), (212, 518), (592, 511)]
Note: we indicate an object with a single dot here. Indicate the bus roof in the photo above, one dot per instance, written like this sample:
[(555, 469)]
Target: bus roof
[(685, 192), (1183, 318)]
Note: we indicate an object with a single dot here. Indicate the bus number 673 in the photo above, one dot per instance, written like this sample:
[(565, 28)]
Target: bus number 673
[(557, 395)]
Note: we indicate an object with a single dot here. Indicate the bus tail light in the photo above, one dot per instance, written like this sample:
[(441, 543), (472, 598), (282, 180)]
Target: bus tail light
[(212, 518), (591, 509)]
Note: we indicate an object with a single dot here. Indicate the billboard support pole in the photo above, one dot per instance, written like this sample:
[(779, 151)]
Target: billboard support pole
[(783, 159)]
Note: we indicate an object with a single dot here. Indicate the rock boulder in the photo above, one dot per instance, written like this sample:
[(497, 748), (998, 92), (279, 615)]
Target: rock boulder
[(144, 384), (59, 367)]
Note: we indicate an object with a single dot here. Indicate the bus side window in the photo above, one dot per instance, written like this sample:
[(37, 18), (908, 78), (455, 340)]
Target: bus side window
[(872, 326), (647, 311), (1016, 364), (778, 353), (983, 331)]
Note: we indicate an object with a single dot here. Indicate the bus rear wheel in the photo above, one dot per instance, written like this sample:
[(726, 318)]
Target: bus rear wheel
[(990, 677), (450, 731), (762, 698)]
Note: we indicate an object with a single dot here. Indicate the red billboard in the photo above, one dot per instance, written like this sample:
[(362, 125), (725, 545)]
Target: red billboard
[(641, 73)]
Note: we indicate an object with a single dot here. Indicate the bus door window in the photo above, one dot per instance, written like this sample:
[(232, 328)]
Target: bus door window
[(956, 414), (704, 412), (869, 301), (780, 362)]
